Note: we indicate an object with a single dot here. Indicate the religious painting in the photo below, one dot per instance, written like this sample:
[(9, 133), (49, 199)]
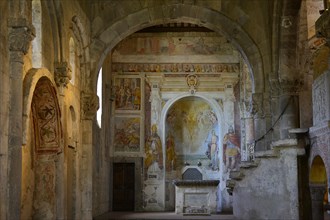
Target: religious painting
[(127, 134), (231, 150), (127, 93)]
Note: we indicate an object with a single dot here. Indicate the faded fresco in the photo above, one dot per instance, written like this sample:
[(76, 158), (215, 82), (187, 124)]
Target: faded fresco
[(231, 150), (128, 93), (192, 129), (172, 45), (127, 134)]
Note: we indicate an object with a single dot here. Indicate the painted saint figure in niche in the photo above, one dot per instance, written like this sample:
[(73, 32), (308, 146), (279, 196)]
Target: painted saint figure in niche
[(154, 153), (213, 150), (212, 141), (170, 153), (231, 149)]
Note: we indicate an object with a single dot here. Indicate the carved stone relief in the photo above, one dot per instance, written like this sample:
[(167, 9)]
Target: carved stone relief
[(20, 35), (62, 74), (46, 117), (321, 99), (90, 104)]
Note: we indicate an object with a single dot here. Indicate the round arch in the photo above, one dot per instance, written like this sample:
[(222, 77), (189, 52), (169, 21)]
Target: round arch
[(213, 104), (318, 173), (114, 33)]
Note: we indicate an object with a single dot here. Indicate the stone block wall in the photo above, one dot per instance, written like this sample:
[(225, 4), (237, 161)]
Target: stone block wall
[(269, 191)]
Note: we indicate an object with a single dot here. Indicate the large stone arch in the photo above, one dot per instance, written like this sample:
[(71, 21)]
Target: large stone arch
[(216, 21)]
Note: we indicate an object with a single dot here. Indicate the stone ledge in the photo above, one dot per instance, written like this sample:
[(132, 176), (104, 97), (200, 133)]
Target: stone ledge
[(266, 154), (236, 175), (248, 164)]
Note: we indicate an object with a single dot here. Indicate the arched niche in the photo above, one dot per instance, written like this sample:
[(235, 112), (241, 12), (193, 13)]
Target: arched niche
[(42, 142), (210, 103), (318, 174)]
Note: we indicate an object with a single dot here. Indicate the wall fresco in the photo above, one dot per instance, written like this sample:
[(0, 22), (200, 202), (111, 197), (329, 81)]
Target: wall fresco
[(128, 93), (172, 45), (127, 134)]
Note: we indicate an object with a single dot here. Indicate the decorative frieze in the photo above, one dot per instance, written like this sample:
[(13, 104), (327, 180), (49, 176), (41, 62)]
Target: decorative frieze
[(20, 35), (90, 104), (176, 67), (62, 74)]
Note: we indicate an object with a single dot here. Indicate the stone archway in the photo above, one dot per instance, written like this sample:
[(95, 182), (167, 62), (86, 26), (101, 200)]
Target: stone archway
[(43, 138), (112, 34), (318, 187)]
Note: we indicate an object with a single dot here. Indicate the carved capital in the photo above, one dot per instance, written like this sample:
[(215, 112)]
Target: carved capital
[(21, 33), (90, 104), (62, 74), (322, 26)]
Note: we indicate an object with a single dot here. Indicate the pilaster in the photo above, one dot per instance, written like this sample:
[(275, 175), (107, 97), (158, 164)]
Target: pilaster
[(90, 104), (21, 34)]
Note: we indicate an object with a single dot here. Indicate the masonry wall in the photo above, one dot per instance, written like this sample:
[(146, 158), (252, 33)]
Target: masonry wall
[(269, 191)]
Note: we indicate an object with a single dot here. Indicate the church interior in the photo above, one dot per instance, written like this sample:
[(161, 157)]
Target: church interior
[(194, 107)]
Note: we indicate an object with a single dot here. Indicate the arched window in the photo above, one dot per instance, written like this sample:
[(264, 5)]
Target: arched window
[(99, 94), (72, 60), (37, 41)]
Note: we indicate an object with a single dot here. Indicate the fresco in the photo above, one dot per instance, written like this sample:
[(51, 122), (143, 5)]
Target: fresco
[(128, 93), (172, 45), (231, 150), (194, 130), (127, 134)]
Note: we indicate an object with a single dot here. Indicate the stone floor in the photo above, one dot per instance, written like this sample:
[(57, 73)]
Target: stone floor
[(158, 215)]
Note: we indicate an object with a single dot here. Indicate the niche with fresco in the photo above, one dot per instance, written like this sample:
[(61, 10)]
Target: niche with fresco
[(192, 137)]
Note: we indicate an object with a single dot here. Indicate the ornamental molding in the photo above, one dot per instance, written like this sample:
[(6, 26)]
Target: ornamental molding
[(192, 82), (21, 33), (176, 67)]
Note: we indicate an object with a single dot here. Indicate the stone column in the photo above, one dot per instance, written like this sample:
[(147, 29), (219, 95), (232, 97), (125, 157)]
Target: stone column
[(90, 104), (257, 110), (21, 34), (62, 78), (317, 194)]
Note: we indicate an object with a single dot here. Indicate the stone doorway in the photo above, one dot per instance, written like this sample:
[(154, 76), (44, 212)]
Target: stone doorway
[(123, 186)]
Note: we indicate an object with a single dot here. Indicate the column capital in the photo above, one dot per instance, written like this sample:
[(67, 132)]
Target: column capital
[(21, 33), (90, 104), (62, 74), (322, 26)]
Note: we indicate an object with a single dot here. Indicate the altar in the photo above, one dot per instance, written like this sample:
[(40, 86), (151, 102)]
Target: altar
[(195, 196)]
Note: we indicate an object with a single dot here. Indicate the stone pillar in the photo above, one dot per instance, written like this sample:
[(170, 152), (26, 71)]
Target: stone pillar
[(228, 108), (62, 78), (20, 35), (317, 195), (257, 110), (90, 104)]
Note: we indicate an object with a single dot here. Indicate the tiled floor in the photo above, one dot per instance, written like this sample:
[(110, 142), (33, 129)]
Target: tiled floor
[(157, 215)]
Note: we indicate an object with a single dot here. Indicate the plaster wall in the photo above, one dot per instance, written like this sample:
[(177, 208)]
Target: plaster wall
[(269, 191)]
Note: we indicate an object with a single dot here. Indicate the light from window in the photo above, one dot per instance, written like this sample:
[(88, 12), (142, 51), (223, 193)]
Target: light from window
[(99, 94)]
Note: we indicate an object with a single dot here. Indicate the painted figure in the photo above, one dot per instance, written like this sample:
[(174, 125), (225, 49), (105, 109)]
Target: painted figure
[(213, 150), (231, 148), (153, 149), (170, 153)]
